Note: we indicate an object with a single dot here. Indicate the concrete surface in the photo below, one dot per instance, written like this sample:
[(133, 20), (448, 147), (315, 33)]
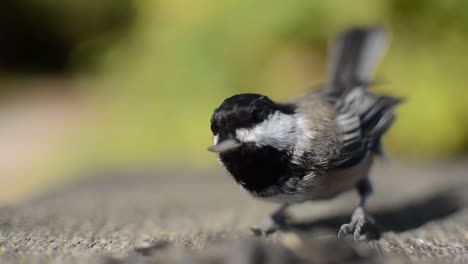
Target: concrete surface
[(203, 217)]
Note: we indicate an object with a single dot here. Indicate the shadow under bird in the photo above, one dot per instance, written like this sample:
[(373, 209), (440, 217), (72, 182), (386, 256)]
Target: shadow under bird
[(314, 146)]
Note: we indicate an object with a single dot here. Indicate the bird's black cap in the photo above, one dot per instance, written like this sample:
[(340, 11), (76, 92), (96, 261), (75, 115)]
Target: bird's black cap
[(244, 111)]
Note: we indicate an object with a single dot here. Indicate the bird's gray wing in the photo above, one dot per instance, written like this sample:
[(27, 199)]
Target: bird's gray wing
[(362, 119)]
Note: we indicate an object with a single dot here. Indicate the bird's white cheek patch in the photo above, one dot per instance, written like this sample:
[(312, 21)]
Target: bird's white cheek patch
[(277, 131), (215, 139)]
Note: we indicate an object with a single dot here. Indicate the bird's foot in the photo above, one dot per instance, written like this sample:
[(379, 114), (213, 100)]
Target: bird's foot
[(354, 227), (271, 224)]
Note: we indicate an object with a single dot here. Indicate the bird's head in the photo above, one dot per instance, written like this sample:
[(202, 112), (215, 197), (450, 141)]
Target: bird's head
[(251, 119)]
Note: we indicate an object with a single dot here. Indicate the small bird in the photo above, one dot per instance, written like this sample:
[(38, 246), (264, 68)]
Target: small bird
[(314, 146)]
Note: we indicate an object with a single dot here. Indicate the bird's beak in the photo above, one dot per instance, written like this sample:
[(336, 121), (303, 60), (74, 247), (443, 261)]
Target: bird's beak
[(225, 145)]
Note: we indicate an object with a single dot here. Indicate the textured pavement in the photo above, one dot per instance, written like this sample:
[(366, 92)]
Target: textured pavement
[(144, 216)]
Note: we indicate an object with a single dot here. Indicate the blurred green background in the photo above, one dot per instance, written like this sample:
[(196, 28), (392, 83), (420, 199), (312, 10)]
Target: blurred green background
[(114, 83)]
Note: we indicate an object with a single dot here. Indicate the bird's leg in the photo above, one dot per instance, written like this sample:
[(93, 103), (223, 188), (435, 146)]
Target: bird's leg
[(270, 224), (359, 217)]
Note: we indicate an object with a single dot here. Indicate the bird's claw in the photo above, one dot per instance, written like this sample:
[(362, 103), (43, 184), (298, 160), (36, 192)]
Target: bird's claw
[(257, 231), (354, 227), (271, 224)]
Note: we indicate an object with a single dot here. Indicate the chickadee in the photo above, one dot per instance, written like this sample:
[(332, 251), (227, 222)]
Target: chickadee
[(314, 146)]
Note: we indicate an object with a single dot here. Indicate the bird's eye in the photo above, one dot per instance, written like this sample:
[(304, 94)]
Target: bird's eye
[(214, 128), (258, 115)]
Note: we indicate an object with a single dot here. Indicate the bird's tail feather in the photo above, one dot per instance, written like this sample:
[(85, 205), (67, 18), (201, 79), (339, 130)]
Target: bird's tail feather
[(354, 57)]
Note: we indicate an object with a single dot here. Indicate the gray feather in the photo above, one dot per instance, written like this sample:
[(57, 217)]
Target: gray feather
[(362, 118), (353, 59)]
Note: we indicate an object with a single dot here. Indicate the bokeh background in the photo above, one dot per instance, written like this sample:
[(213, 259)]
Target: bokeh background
[(87, 85)]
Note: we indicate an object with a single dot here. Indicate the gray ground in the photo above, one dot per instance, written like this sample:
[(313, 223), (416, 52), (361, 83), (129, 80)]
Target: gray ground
[(195, 217)]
